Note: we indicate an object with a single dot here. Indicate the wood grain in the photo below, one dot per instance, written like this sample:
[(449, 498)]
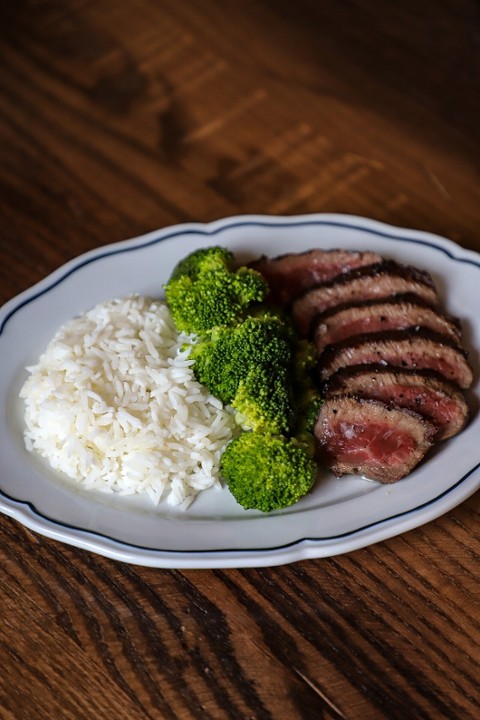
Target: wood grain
[(117, 118)]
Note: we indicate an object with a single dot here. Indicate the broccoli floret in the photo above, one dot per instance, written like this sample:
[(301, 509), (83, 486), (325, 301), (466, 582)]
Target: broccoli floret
[(248, 355), (204, 260), (304, 362), (307, 396), (214, 365), (229, 354), (204, 291), (263, 400), (307, 409), (267, 472)]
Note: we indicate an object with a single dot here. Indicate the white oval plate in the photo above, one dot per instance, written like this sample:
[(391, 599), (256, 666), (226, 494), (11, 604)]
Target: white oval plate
[(337, 517)]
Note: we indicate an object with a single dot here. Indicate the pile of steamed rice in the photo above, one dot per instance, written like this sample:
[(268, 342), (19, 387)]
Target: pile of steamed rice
[(113, 404)]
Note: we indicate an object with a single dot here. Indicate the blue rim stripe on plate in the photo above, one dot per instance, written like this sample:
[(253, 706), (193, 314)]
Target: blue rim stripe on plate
[(216, 231), (209, 232), (195, 551)]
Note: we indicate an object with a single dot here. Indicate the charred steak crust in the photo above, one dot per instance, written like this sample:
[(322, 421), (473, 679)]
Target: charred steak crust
[(390, 362), (371, 438), (292, 273), (398, 312), (423, 391), (411, 348), (382, 280)]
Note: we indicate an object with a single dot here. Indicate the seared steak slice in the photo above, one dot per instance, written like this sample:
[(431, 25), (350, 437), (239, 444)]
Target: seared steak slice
[(370, 438), (289, 275), (412, 348), (423, 391), (396, 313), (382, 280)]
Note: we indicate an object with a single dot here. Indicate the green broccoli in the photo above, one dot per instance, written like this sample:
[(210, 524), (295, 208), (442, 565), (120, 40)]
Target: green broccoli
[(248, 366), (204, 260), (307, 409), (263, 401), (304, 362), (204, 291), (226, 355), (307, 396), (248, 355), (267, 472)]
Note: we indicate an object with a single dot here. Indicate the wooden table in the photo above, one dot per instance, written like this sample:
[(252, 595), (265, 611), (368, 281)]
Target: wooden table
[(118, 118)]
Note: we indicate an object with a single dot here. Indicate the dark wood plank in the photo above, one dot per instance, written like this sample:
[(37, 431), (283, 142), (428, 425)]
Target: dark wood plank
[(117, 118)]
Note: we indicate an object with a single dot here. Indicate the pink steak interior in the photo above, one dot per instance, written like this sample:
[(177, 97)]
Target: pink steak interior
[(355, 444)]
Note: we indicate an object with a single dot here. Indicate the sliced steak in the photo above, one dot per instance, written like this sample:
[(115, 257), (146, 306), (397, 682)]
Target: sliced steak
[(381, 280), (412, 348), (423, 391), (396, 313), (289, 275), (369, 438)]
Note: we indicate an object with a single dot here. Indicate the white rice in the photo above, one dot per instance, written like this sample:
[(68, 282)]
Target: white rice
[(113, 404)]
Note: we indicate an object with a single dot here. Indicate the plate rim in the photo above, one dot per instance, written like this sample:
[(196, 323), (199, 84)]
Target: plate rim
[(302, 548)]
